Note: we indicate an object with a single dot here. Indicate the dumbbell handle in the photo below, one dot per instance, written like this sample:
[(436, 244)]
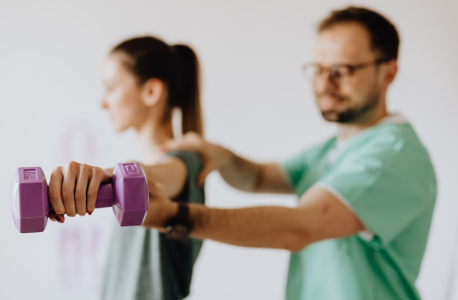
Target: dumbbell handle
[(104, 196)]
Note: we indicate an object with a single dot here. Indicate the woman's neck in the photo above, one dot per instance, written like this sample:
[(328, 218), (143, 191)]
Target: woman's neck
[(150, 136)]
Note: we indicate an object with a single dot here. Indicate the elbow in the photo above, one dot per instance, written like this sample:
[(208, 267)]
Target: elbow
[(296, 241)]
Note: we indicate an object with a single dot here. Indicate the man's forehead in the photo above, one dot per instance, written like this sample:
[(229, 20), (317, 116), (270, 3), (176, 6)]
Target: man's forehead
[(343, 43)]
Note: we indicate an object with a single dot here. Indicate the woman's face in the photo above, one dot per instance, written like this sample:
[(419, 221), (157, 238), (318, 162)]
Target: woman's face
[(123, 95)]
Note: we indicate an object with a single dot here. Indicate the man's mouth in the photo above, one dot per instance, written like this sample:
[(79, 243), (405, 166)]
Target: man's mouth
[(329, 103)]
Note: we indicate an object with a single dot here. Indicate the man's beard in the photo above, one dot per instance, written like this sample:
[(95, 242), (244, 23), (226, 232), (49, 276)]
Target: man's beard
[(352, 114)]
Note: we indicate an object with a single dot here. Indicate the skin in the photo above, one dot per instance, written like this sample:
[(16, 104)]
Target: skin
[(73, 188), (319, 214)]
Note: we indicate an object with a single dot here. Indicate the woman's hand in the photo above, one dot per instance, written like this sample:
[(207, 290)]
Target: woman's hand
[(73, 189), (213, 156)]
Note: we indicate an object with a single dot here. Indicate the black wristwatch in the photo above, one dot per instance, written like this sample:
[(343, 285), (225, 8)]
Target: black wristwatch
[(179, 227)]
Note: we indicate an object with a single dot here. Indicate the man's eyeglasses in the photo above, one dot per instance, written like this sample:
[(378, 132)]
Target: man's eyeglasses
[(340, 73)]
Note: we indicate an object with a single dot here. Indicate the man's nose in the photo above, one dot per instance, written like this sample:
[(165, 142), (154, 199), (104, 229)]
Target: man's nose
[(324, 82)]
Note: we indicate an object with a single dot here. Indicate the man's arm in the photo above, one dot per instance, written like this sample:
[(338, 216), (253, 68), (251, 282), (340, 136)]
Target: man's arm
[(320, 215), (238, 172), (249, 176)]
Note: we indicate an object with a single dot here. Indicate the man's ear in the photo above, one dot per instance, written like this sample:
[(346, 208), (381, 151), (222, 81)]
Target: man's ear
[(391, 69), (153, 91)]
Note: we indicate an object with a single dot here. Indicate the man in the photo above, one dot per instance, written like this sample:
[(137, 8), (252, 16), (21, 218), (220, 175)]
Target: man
[(366, 196)]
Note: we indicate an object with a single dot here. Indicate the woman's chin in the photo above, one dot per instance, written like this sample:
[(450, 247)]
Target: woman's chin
[(120, 128)]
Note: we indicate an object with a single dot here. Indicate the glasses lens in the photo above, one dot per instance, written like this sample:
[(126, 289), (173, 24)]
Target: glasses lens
[(340, 72), (311, 71)]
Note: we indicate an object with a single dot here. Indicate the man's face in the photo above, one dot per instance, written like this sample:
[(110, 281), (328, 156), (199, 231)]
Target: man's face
[(350, 99)]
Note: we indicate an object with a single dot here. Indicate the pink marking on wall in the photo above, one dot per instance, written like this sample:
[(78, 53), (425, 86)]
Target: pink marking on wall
[(80, 264), (68, 143), (70, 256)]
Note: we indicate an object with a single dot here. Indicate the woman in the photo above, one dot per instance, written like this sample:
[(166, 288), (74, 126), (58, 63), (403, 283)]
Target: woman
[(145, 81)]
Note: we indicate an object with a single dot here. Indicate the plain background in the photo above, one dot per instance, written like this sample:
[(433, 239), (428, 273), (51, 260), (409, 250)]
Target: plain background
[(255, 102)]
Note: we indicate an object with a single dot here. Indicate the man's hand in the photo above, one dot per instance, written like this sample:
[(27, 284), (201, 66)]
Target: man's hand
[(213, 156), (160, 208), (237, 171)]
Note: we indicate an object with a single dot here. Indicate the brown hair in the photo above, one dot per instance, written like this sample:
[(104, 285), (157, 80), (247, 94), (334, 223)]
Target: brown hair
[(177, 66), (383, 34)]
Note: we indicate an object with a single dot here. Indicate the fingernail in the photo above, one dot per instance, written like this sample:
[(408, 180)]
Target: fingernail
[(89, 212), (58, 219)]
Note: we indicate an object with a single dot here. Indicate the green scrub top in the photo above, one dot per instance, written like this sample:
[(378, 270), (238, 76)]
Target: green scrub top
[(385, 176)]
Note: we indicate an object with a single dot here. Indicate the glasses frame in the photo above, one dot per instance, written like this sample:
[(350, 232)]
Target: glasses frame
[(351, 68)]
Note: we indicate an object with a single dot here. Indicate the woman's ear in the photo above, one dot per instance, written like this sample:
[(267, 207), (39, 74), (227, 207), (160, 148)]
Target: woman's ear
[(153, 92)]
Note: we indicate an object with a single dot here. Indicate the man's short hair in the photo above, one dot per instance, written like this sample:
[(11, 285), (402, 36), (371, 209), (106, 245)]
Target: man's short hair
[(383, 34)]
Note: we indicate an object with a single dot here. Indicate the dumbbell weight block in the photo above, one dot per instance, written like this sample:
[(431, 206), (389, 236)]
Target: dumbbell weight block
[(127, 194)]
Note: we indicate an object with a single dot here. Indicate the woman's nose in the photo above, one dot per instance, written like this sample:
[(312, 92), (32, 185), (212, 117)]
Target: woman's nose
[(104, 103)]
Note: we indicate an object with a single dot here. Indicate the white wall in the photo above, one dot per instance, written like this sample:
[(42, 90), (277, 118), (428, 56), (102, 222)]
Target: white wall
[(255, 102)]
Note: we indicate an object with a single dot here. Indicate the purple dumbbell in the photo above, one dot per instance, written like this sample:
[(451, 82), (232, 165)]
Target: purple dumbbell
[(127, 194)]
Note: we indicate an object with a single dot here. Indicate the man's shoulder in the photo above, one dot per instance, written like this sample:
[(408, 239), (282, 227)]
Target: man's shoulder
[(395, 147), (400, 138)]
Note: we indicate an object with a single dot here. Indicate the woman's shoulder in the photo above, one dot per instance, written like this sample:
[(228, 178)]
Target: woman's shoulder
[(191, 159)]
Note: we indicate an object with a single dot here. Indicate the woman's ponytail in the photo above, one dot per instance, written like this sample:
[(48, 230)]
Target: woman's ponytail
[(187, 93)]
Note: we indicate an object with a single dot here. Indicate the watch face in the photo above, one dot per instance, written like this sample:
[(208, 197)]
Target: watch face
[(177, 231)]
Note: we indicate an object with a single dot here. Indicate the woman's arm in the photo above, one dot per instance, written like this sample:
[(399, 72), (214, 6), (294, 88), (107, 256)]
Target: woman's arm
[(73, 188), (171, 173)]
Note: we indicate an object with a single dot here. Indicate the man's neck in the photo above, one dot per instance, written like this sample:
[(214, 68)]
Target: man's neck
[(347, 131)]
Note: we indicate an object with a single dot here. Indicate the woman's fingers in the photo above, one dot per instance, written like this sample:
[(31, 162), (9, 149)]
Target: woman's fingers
[(56, 218), (73, 189), (55, 190), (98, 176), (71, 173), (81, 189)]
